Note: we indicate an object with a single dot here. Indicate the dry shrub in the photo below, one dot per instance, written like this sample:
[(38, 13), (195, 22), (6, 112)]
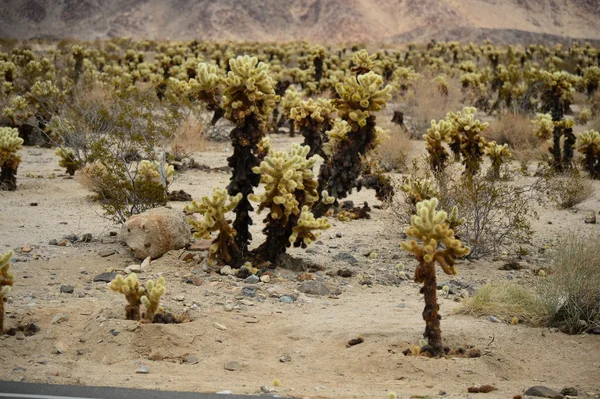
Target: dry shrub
[(392, 153), (427, 102), (189, 138), (516, 130), (507, 300), (595, 124), (569, 189), (572, 292)]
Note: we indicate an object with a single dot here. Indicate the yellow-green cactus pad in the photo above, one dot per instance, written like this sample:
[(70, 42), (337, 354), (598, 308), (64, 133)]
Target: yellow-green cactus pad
[(307, 223)]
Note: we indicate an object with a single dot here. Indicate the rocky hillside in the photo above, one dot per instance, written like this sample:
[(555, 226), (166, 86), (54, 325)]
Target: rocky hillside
[(315, 20)]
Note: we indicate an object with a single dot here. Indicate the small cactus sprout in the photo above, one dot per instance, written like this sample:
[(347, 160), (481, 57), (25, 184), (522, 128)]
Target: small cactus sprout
[(151, 299), (7, 279), (437, 245), (436, 136), (69, 161), (588, 143), (214, 209), (498, 154), (133, 291), (10, 143)]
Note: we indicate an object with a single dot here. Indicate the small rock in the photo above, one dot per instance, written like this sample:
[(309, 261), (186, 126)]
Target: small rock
[(81, 352), (401, 306), (87, 237), (114, 332), (543, 392), (53, 242), (191, 359), (142, 370), (591, 218), (249, 292), (63, 243), (26, 249), (226, 271), (225, 392), (267, 389), (133, 269), (305, 277), (265, 279), (106, 252), (61, 347), (232, 366), (570, 391), (285, 358), (366, 281), (146, 263), (33, 204), (112, 233), (344, 273), (219, 326), (345, 257), (66, 289), (251, 279), (59, 318), (180, 298), (314, 288), (200, 246), (71, 237), (334, 245), (20, 335), (493, 319), (286, 299), (188, 257), (105, 277)]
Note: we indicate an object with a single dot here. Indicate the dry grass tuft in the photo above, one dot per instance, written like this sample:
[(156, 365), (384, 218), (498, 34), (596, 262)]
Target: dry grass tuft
[(506, 301), (569, 190), (516, 130), (392, 153), (189, 138)]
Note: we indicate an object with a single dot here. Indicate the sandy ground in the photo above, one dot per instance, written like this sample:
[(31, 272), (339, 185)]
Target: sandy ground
[(102, 348)]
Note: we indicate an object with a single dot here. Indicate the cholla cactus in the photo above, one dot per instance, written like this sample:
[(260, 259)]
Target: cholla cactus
[(303, 232), (289, 186), (249, 98), (313, 119), (404, 78), (466, 139), (249, 90), (207, 87), (543, 126), (437, 245), (149, 171), (588, 143), (224, 247), (7, 279), (498, 154), (68, 160), (10, 143), (133, 291), (417, 190), (363, 62), (151, 298), (290, 99), (360, 96), (438, 134)]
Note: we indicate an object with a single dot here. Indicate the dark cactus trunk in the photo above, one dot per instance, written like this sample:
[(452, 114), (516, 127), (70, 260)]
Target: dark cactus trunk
[(433, 332), (8, 178), (132, 312), (244, 140), (570, 140), (556, 152)]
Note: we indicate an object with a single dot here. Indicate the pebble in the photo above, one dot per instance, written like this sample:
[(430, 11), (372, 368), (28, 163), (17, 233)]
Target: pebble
[(133, 269), (106, 252), (146, 263), (493, 319), (232, 366), (226, 271), (106, 277), (142, 370), (53, 241), (285, 358), (61, 347), (225, 392), (543, 392), (228, 308), (345, 257), (179, 298), (401, 306), (20, 336), (66, 289), (71, 237), (286, 299), (219, 326), (191, 359), (59, 318), (81, 352), (251, 279), (114, 332), (249, 291), (87, 237), (265, 279), (63, 243)]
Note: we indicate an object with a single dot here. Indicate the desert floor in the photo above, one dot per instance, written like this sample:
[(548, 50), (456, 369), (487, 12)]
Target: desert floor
[(310, 335)]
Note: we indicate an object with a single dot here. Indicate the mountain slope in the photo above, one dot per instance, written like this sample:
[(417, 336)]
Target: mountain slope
[(315, 20)]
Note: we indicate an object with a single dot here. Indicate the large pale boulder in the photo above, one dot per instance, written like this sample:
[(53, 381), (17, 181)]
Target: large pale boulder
[(155, 232)]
